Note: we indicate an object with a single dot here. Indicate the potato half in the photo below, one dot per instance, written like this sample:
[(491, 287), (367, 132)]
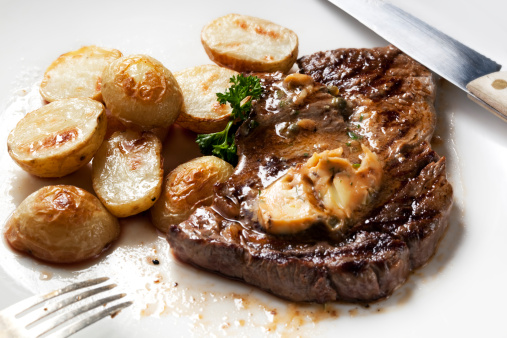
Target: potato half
[(127, 172), (246, 43), (138, 89), (201, 112), (58, 138), (61, 224), (77, 74), (188, 186), (114, 125)]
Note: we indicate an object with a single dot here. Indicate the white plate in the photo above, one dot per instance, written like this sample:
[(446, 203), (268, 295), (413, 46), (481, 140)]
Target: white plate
[(459, 293)]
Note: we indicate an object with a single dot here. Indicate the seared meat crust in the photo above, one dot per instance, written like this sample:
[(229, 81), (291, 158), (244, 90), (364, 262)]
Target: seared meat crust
[(389, 109)]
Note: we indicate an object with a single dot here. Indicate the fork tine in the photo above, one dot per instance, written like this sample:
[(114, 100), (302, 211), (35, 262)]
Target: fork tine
[(39, 314), (81, 324), (30, 302), (62, 318)]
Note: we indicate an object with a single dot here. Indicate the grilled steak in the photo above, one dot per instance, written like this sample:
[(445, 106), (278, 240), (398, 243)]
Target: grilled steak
[(377, 98)]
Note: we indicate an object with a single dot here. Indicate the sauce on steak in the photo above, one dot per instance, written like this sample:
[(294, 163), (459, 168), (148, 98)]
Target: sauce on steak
[(378, 98)]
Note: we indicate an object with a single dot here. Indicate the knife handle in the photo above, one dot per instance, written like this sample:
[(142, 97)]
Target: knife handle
[(492, 89)]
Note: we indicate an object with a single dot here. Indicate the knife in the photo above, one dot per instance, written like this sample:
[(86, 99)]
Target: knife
[(471, 71)]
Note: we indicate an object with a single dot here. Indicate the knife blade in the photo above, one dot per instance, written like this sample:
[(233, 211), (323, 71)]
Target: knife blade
[(469, 70)]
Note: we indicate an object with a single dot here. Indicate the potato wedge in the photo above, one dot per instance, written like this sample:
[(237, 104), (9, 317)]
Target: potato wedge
[(201, 112), (127, 172), (58, 138), (188, 186), (249, 44), (138, 89), (77, 74), (61, 224)]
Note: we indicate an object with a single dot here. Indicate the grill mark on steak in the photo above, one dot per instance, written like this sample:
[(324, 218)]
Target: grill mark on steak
[(393, 93), (390, 105)]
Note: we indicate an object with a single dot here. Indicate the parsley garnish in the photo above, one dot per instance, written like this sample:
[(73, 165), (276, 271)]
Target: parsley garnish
[(220, 144), (353, 135), (244, 89)]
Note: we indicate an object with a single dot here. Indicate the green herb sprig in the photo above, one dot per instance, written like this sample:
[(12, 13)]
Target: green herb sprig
[(240, 95)]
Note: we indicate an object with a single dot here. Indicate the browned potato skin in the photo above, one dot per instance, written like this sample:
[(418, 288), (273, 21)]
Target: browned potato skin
[(202, 125), (114, 124), (60, 163), (187, 187), (239, 53), (224, 60), (127, 172), (82, 85), (61, 224), (152, 102), (201, 112)]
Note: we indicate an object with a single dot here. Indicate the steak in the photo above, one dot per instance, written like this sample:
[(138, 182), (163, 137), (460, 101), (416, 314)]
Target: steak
[(378, 98)]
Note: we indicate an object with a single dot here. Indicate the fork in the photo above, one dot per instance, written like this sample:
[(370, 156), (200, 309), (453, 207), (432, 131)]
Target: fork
[(25, 318)]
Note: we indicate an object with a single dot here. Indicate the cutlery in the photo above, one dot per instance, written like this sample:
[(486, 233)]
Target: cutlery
[(33, 317), (471, 71)]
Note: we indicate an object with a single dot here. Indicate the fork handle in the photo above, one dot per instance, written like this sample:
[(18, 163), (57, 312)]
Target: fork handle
[(492, 89)]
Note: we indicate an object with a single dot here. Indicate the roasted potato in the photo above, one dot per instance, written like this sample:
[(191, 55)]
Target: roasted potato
[(58, 138), (188, 186), (139, 90), (114, 125), (249, 44), (61, 224), (201, 112), (127, 172), (77, 74)]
